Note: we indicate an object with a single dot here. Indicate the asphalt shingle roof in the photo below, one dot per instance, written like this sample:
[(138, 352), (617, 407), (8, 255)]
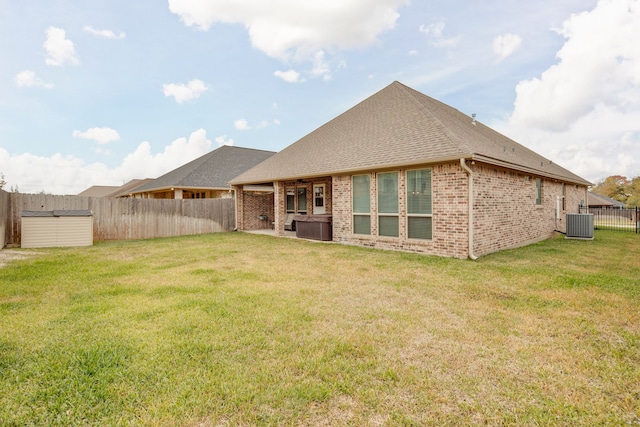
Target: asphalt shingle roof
[(594, 199), (214, 170), (398, 126)]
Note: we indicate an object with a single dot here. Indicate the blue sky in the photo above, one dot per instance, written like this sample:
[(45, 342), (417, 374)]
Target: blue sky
[(100, 92)]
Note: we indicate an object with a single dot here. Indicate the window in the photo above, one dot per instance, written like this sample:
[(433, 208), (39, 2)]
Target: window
[(564, 195), (302, 199), (419, 219), (291, 200), (361, 204), (538, 191), (192, 195), (388, 204), (319, 207)]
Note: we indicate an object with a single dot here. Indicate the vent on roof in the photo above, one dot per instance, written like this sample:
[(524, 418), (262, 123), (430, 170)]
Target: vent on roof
[(580, 226), (473, 119)]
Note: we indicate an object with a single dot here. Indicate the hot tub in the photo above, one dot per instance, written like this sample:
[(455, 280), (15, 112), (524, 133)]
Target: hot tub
[(314, 227)]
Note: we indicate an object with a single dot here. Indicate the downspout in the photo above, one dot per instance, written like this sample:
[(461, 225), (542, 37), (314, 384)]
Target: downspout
[(470, 204)]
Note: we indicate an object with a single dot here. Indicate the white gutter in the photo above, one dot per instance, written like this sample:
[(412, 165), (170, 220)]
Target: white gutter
[(470, 203)]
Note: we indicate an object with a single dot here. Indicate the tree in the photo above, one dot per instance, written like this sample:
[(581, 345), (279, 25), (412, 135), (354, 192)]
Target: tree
[(613, 187), (620, 188), (634, 192), (3, 182)]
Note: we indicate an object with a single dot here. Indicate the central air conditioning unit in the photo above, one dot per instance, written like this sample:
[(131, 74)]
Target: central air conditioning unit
[(580, 226)]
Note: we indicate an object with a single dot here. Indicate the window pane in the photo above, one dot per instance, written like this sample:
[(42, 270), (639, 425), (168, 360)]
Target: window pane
[(362, 224), (419, 227), (538, 191), (388, 192), (419, 191), (302, 199), (291, 200), (361, 194), (388, 226)]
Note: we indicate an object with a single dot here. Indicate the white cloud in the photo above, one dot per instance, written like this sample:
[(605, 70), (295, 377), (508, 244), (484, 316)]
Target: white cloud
[(241, 124), (60, 50), (506, 44), (583, 112), (107, 34), (142, 163), (602, 143), (28, 78), (223, 140), (102, 135), (182, 93), (293, 28), (291, 76), (60, 174), (321, 66), (597, 65), (435, 34)]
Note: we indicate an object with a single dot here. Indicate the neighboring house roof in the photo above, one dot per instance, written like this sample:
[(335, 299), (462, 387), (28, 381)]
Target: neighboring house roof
[(114, 191), (128, 187), (594, 199), (398, 127), (214, 170), (98, 191)]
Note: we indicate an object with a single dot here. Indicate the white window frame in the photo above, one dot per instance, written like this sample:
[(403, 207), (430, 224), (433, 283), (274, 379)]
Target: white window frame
[(388, 214), (412, 215), (354, 213)]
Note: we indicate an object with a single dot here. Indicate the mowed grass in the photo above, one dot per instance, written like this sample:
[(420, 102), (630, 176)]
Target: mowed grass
[(239, 329)]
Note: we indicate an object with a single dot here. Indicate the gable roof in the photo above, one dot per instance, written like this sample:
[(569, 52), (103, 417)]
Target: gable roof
[(214, 170), (398, 127)]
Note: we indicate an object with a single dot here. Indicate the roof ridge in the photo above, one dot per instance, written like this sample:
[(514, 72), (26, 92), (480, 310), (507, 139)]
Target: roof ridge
[(397, 125), (452, 136)]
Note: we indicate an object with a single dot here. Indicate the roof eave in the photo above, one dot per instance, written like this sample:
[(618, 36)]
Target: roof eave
[(350, 171), (448, 159), (526, 169), (176, 187)]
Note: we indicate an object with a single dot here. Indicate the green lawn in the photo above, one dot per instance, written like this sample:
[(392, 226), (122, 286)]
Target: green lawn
[(238, 329)]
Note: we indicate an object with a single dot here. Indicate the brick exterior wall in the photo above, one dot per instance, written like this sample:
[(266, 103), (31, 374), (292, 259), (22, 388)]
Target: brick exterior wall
[(504, 207), (449, 184), (250, 205), (505, 211)]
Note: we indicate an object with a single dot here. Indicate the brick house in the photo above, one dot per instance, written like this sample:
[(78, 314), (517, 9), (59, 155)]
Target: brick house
[(403, 171)]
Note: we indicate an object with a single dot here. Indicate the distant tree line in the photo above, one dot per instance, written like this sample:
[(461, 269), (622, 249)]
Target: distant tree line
[(620, 188)]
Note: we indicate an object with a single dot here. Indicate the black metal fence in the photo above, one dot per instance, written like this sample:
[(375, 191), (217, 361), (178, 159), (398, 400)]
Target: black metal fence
[(627, 219)]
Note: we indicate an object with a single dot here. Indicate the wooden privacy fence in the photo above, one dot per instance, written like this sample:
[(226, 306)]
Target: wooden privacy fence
[(128, 218), (4, 217)]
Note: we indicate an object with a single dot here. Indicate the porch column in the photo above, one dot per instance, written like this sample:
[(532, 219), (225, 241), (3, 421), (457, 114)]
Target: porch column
[(278, 208)]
